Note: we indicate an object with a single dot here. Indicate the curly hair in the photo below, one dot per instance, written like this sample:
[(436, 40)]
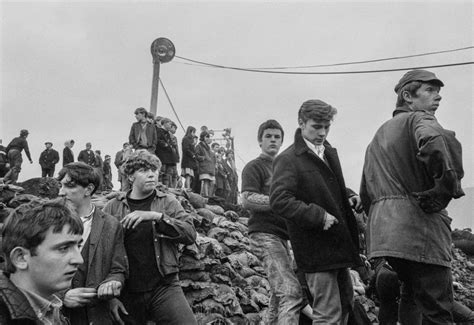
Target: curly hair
[(141, 159)]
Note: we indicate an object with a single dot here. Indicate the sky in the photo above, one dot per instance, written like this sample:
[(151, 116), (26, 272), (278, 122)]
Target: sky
[(77, 70)]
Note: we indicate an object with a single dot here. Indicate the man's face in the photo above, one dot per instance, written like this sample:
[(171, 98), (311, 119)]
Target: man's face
[(141, 117), (315, 131), (145, 180), (55, 262), (88, 146), (48, 145), (73, 192), (167, 126), (71, 144), (271, 142), (427, 98)]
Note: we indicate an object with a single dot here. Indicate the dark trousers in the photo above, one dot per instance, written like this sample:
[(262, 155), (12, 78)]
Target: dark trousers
[(165, 304), (426, 291), (47, 172), (15, 159)]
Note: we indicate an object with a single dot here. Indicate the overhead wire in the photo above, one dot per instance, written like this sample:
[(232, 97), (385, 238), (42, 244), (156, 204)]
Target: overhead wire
[(171, 104), (326, 72), (365, 61)]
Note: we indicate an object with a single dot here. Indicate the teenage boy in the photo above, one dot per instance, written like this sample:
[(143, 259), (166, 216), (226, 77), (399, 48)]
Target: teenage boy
[(155, 223), (105, 267), (41, 245)]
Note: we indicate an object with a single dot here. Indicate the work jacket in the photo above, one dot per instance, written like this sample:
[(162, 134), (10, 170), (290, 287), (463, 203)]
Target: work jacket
[(166, 247), (206, 159), (48, 158), (412, 169)]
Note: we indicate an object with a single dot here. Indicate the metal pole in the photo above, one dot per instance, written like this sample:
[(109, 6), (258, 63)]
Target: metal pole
[(154, 86)]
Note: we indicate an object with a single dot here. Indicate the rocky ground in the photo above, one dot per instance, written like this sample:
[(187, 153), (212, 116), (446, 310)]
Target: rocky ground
[(222, 280)]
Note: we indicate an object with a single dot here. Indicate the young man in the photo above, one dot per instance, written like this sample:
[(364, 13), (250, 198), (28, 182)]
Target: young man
[(309, 191), (87, 155), (41, 244), (155, 223), (105, 267), (165, 151), (14, 149), (48, 160), (107, 172), (412, 170), (142, 133), (68, 155), (267, 231), (120, 158)]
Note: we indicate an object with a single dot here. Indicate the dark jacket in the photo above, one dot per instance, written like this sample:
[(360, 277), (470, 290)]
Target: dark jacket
[(164, 147), (68, 156), (189, 153), (412, 169), (106, 261), (14, 306), (151, 136), (87, 156), (303, 188), (19, 143), (48, 158), (206, 159), (166, 247)]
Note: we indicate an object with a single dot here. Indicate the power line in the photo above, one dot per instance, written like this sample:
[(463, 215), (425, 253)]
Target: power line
[(327, 72), (360, 62), (171, 104)]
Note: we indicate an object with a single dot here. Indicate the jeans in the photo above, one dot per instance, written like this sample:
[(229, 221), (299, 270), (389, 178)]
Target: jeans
[(285, 290), (165, 304), (427, 288), (332, 294)]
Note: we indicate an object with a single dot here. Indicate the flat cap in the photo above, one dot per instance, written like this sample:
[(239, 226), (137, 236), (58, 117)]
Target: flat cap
[(417, 75)]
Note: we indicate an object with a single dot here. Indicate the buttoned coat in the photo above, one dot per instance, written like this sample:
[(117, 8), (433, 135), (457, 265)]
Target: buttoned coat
[(303, 189), (107, 261)]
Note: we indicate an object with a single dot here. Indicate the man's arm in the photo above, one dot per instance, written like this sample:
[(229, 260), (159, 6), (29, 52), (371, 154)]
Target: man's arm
[(252, 183), (27, 150), (55, 157), (441, 153)]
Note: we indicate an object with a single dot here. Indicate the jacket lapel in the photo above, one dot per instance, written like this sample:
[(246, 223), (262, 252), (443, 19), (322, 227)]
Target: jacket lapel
[(94, 236)]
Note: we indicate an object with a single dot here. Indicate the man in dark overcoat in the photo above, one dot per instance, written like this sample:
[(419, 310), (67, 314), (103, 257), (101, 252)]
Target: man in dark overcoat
[(309, 191)]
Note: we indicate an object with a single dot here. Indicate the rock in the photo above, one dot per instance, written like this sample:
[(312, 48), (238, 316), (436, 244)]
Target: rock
[(42, 187), (22, 199), (215, 209)]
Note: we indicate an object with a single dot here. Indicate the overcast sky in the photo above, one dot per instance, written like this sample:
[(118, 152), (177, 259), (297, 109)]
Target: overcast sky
[(78, 70)]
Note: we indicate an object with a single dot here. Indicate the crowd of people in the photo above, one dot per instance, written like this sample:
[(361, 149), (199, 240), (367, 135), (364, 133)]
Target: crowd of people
[(66, 258)]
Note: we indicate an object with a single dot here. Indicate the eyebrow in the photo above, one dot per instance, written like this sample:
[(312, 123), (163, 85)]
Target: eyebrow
[(69, 243)]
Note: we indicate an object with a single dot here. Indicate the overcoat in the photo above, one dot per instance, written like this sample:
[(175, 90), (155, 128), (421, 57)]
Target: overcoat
[(303, 189)]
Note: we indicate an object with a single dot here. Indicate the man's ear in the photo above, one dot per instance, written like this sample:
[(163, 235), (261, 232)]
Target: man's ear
[(300, 122), (407, 97), (19, 257), (89, 189), (131, 178)]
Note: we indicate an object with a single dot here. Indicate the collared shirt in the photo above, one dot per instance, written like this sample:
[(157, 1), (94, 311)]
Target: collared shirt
[(318, 150), (87, 222), (47, 311)]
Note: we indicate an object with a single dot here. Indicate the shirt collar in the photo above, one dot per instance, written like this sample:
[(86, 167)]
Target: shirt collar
[(88, 216), (264, 156), (318, 150), (40, 305)]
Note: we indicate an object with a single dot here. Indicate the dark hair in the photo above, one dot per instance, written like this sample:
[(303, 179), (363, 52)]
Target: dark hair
[(141, 110), (317, 110), (72, 141), (150, 115), (215, 144), (141, 159), (28, 224), (190, 130), (270, 124), (411, 88), (81, 174), (203, 135)]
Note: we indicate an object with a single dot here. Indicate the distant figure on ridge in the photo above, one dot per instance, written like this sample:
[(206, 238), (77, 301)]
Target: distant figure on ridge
[(48, 160)]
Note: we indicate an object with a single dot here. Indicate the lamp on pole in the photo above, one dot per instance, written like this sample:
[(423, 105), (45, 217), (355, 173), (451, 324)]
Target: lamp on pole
[(163, 51)]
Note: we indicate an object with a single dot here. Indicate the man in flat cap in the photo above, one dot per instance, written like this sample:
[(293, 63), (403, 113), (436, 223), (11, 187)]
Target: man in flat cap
[(48, 160), (412, 169), (309, 191)]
